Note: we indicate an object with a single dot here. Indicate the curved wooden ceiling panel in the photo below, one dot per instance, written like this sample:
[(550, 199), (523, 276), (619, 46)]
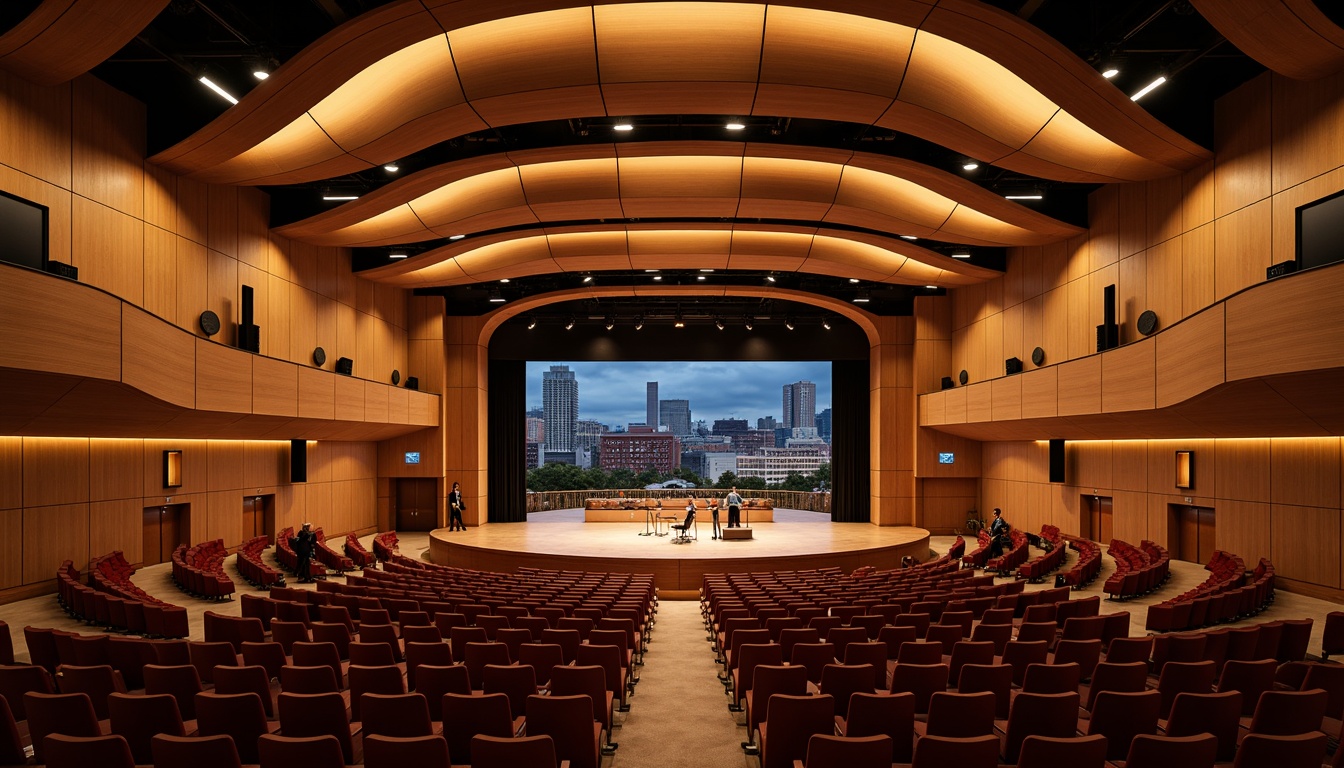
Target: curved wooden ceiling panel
[(607, 247), (680, 180), (1291, 37), (975, 79), (62, 39)]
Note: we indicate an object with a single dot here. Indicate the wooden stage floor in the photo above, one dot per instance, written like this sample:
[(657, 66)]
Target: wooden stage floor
[(560, 539)]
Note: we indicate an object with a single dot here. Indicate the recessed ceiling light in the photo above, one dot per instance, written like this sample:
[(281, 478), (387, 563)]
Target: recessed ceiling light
[(457, 237), (853, 279), (391, 168), (862, 296), (678, 322), (1149, 88), (657, 277), (931, 287), (260, 74), (647, 271), (396, 255), (503, 279), (1023, 197), (208, 83), (788, 323), (699, 277), (748, 322), (610, 323), (961, 255), (1109, 72), (706, 270), (770, 278), (587, 278), (909, 237), (337, 198), (970, 166), (735, 126), (623, 126), (496, 297), (639, 323)]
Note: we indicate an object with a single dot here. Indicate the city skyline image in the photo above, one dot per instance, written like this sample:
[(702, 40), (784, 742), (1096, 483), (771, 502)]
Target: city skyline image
[(616, 393)]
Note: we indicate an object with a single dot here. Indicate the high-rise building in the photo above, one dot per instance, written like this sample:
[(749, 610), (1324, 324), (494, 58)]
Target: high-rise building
[(560, 401), (587, 432), (640, 449), (800, 404), (676, 416), (766, 422), (651, 405), (536, 429), (824, 425)]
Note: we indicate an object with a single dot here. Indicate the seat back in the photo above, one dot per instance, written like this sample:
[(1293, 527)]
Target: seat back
[(403, 715), (961, 715), (501, 752), (385, 679), (568, 721), (194, 752), (434, 680), (893, 716), (1289, 713), (517, 682), (138, 718), (791, 721), (470, 715), (1120, 716), (923, 680), (841, 680), (63, 751), (309, 752), (1052, 678), (1074, 751), (70, 714), (1147, 751), (396, 752), (1304, 749), (1215, 713), (827, 751), (1039, 714), (316, 714), (994, 678), (941, 751)]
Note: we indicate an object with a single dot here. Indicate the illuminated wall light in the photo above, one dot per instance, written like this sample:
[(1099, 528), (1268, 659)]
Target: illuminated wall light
[(339, 198), (853, 279), (909, 237), (208, 83), (457, 237), (391, 168), (1149, 88), (970, 166), (1024, 197), (587, 278), (706, 270), (657, 277), (496, 297), (651, 271), (699, 277), (503, 279), (396, 255), (735, 126), (260, 74), (862, 297), (1109, 72), (623, 126), (770, 278), (961, 255)]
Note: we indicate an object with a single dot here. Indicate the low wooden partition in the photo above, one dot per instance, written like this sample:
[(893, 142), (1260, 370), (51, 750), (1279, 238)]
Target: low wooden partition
[(634, 510)]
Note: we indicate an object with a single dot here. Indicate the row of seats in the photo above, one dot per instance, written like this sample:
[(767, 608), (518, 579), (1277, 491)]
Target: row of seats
[(329, 557), (385, 545), (111, 600), (289, 560), (361, 557), (1037, 568), (1016, 555), (1138, 570), (199, 570), (976, 558), (253, 568), (1222, 598), (1088, 566)]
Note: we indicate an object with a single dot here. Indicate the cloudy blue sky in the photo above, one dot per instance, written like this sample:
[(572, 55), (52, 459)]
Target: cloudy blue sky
[(613, 393)]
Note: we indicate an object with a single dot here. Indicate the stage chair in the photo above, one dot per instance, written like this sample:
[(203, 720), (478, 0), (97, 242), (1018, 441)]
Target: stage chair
[(1039, 714), (940, 751), (1147, 751), (874, 714), (1215, 713), (98, 682), (923, 680), (62, 751), (516, 682), (69, 714), (840, 681), (497, 752), (181, 681), (826, 751), (1073, 751), (768, 680), (789, 724)]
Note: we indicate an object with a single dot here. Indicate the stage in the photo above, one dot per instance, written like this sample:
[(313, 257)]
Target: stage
[(561, 540)]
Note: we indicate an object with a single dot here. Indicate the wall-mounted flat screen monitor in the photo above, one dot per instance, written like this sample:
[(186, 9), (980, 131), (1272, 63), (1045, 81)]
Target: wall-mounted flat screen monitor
[(1320, 232), (23, 232), (947, 458), (412, 457)]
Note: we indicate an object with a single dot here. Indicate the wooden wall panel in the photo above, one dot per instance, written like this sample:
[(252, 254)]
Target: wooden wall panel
[(1243, 248), (1197, 270), (1306, 115), (1040, 393), (191, 287), (1164, 289), (1305, 471), (222, 220), (52, 534), (116, 525), (1080, 386), (1243, 469), (108, 248), (224, 519), (160, 273), (1301, 343), (1006, 398), (1190, 357), (1129, 465), (36, 139), (1244, 528), (275, 387), (979, 402), (280, 336), (222, 292), (55, 471), (1055, 325), (1132, 224), (11, 472), (115, 469), (1305, 543), (108, 146), (34, 328), (1082, 332), (11, 548), (1131, 293), (160, 206), (1164, 209), (1129, 516), (265, 464), (223, 378), (1091, 464), (1128, 377), (158, 358), (1242, 145), (226, 465)]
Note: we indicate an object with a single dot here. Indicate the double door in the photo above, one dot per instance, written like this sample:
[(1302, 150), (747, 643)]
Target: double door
[(161, 529), (417, 504)]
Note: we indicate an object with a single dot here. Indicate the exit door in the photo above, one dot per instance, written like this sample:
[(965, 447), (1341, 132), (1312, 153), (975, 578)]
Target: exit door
[(259, 517), (1096, 520), (1193, 533), (161, 532), (417, 504)]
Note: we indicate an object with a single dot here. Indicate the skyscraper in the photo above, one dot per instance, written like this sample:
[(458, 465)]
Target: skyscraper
[(676, 416), (651, 405), (560, 401), (800, 404)]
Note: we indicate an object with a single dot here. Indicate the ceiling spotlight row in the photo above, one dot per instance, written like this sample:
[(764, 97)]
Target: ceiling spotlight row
[(626, 126), (678, 321)]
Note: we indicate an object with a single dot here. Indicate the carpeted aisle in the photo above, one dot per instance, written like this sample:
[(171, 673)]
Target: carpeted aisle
[(679, 715)]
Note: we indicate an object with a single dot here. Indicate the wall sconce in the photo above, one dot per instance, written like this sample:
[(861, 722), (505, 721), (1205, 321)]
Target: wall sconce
[(1185, 469), (172, 469)]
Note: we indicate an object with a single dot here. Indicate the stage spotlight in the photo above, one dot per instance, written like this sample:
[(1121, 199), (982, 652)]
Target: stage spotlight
[(718, 323), (639, 323), (531, 323), (826, 323), (569, 326), (678, 322), (788, 323), (610, 323), (748, 322)]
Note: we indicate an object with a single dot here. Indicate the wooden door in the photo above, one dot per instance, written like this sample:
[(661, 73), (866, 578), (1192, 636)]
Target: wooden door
[(417, 504), (151, 551), (170, 530), (1195, 533), (1208, 539), (1096, 519), (1105, 516), (250, 504)]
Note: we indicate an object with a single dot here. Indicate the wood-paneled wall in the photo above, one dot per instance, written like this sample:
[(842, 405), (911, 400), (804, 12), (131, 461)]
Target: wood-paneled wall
[(177, 247), (1174, 245), (1272, 497), (78, 498)]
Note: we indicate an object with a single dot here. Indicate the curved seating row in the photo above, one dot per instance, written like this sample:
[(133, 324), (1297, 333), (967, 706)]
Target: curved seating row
[(329, 557), (361, 557), (976, 558), (385, 545), (1008, 561), (284, 554), (1088, 566), (1037, 568), (253, 568), (1222, 598), (111, 600), (1138, 570), (199, 570)]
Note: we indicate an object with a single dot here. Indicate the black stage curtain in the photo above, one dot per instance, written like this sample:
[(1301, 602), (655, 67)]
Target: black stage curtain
[(849, 441), (508, 472)]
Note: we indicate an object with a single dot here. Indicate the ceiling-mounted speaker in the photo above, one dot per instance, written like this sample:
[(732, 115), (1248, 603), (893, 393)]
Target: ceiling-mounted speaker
[(947, 382), (1038, 357), (1012, 365), (1147, 322), (963, 377), (345, 366), (412, 382)]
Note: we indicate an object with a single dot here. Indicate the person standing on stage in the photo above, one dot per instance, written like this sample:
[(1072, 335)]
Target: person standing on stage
[(303, 544), (455, 507), (714, 511), (734, 503)]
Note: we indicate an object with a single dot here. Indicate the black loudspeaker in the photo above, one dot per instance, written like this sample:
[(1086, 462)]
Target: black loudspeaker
[(298, 461), (249, 335), (1012, 365), (412, 382), (1056, 461), (1281, 269), (1108, 333), (947, 382), (345, 366), (63, 270)]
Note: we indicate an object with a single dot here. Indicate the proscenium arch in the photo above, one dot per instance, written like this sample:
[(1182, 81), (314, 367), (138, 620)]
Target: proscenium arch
[(417, 72), (891, 403), (691, 179)]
